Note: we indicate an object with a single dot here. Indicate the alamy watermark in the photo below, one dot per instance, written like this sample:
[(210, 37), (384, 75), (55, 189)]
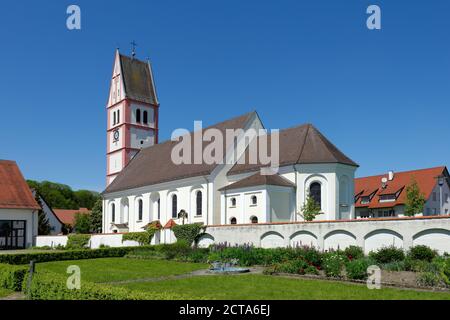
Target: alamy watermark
[(374, 277), (73, 21), (213, 146), (374, 20), (74, 280)]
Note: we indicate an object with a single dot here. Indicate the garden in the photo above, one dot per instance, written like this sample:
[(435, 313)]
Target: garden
[(181, 271)]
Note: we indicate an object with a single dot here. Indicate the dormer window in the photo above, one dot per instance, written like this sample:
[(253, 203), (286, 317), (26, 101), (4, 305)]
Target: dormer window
[(387, 197), (365, 200)]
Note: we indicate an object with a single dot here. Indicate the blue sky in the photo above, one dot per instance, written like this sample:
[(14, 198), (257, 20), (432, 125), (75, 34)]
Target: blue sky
[(381, 96)]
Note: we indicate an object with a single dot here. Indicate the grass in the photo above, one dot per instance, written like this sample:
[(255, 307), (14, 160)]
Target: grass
[(5, 292), (261, 287), (119, 269)]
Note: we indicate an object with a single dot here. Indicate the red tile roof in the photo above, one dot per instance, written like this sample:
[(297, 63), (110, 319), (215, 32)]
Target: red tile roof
[(170, 224), (14, 190), (426, 179), (68, 216)]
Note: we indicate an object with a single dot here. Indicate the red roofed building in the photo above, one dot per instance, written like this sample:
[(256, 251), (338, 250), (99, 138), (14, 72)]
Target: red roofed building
[(18, 209), (67, 217), (385, 195)]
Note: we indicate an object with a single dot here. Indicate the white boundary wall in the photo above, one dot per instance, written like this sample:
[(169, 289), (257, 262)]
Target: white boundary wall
[(369, 234)]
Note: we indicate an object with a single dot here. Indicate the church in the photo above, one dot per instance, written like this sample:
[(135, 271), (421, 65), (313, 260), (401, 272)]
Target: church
[(144, 184)]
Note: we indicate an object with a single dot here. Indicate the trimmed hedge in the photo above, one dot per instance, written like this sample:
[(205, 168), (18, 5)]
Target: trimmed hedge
[(52, 286), (189, 233), (25, 258), (142, 238), (11, 277), (77, 241)]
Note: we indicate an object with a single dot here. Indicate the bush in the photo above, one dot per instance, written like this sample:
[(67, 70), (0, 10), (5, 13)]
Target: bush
[(52, 286), (387, 255), (422, 253), (311, 270), (428, 279), (11, 277), (354, 252), (333, 263), (143, 238), (78, 241), (442, 265), (396, 266), (294, 266), (25, 258), (357, 269), (189, 233)]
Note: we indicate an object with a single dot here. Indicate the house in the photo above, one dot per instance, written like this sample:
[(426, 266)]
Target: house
[(56, 225), (67, 217), (385, 195), (145, 184), (18, 209)]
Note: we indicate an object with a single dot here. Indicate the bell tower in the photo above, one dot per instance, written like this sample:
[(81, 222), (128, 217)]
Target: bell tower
[(132, 113)]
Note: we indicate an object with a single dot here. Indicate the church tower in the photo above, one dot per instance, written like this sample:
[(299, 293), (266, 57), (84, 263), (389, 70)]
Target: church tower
[(132, 112)]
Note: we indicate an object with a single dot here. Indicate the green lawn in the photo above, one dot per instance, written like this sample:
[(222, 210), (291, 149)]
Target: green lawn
[(118, 269), (5, 292), (260, 287)]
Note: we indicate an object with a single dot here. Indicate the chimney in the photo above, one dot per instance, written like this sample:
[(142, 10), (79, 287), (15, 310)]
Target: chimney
[(391, 175)]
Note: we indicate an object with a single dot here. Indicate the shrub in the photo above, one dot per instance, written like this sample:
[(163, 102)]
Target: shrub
[(311, 270), (387, 255), (52, 286), (357, 269), (25, 258), (429, 279), (442, 265), (354, 252), (77, 241), (396, 266), (11, 277), (294, 266), (142, 238), (333, 263), (422, 253), (189, 233)]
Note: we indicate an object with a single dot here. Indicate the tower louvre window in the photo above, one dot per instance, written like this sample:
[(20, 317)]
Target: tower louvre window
[(118, 116), (138, 115), (145, 116), (114, 117)]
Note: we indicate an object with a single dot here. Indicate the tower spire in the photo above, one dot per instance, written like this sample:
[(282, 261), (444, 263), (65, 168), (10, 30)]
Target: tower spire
[(133, 49)]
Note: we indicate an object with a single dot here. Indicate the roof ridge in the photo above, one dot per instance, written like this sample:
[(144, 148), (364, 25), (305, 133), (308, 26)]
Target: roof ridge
[(400, 172), (304, 143)]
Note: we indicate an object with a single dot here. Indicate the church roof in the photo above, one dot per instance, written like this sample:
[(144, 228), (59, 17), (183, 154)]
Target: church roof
[(138, 80), (259, 180), (154, 165), (14, 190), (299, 145)]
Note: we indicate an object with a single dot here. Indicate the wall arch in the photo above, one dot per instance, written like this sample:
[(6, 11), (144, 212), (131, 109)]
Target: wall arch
[(303, 238), (434, 238), (206, 240), (382, 238), (339, 239), (272, 239), (322, 180)]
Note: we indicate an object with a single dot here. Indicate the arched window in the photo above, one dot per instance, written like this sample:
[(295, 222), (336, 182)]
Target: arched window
[(114, 116), (233, 220), (315, 192), (113, 212), (159, 208), (174, 206), (145, 116), (198, 202), (118, 116), (254, 219), (140, 209), (233, 202), (138, 115), (254, 200)]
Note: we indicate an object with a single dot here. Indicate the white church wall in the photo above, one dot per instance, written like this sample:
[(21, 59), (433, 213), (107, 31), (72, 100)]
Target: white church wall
[(115, 162), (141, 138)]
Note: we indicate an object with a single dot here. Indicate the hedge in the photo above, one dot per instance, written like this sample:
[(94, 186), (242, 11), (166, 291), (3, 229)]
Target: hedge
[(77, 241), (11, 277), (52, 286), (25, 258)]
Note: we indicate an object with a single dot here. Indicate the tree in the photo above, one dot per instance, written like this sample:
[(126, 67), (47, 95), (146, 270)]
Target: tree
[(44, 227), (310, 209), (182, 215), (415, 200), (82, 223), (96, 217)]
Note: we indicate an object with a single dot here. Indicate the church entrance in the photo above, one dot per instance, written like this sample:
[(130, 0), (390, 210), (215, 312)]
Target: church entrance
[(12, 234)]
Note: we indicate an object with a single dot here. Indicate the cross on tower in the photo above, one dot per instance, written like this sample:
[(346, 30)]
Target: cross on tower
[(133, 48)]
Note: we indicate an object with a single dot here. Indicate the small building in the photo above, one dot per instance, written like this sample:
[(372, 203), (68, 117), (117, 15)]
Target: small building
[(385, 195), (67, 217), (18, 209), (56, 225)]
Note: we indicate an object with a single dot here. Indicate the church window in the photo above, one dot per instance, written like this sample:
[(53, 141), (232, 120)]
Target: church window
[(138, 115), (233, 220), (140, 209), (254, 219), (159, 208), (145, 116), (199, 201), (315, 192), (254, 200), (113, 212), (174, 206)]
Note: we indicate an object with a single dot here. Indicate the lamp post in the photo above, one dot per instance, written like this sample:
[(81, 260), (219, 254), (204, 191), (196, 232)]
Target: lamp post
[(441, 180)]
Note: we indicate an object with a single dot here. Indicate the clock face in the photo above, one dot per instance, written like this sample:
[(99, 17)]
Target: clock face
[(116, 135)]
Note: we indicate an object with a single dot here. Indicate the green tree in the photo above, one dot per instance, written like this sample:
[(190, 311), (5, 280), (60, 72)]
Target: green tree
[(415, 200), (310, 209), (86, 198), (82, 223), (96, 217), (44, 227)]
